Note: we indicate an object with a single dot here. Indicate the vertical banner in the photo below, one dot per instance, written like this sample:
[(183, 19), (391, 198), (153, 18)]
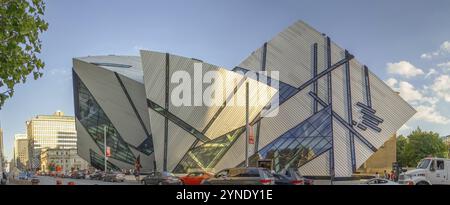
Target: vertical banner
[(251, 137), (108, 151)]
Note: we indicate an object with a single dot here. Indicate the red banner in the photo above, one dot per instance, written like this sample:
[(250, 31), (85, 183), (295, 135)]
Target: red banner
[(108, 151), (251, 138)]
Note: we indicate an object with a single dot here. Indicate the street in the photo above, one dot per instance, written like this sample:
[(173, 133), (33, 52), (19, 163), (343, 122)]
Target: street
[(47, 180)]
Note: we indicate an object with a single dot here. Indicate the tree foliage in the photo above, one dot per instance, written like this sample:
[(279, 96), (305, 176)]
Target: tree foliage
[(21, 24), (418, 145)]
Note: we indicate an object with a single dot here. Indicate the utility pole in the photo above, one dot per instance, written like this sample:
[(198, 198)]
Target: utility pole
[(105, 147), (247, 133)]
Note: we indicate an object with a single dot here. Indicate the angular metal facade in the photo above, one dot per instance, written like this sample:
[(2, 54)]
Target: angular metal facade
[(108, 91), (333, 113), (365, 111)]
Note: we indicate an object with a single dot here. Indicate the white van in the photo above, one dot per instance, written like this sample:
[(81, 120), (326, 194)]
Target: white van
[(429, 171)]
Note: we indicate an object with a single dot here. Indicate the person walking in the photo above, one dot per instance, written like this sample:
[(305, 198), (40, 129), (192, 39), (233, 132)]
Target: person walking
[(393, 176), (137, 168)]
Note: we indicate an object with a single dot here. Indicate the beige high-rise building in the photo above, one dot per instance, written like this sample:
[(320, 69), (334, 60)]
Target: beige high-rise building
[(21, 151), (50, 131)]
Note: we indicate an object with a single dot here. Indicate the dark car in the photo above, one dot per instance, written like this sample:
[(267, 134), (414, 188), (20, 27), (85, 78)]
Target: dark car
[(114, 177), (35, 180), (242, 176), (282, 180), (161, 178), (96, 176), (296, 178)]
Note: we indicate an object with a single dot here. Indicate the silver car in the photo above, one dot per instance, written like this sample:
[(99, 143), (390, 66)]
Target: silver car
[(379, 181), (242, 176)]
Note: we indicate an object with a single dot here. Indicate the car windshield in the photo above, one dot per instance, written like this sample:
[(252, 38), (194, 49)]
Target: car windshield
[(423, 164), (168, 174)]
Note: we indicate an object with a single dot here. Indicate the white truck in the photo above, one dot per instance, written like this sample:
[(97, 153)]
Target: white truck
[(429, 171)]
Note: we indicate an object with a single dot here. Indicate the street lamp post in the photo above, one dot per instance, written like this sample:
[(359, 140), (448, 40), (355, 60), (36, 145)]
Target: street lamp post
[(247, 133), (105, 147)]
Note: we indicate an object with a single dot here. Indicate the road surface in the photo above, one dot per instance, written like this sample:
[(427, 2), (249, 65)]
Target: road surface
[(47, 180)]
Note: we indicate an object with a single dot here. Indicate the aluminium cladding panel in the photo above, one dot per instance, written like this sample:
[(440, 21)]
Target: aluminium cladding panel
[(107, 91), (157, 126), (291, 113), (254, 61), (390, 107), (233, 115), (319, 166), (154, 67), (291, 53), (196, 113), (179, 142), (85, 142), (342, 148), (134, 71), (136, 91)]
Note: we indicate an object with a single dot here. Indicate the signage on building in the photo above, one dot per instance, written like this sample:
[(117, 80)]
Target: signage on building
[(251, 138), (108, 151)]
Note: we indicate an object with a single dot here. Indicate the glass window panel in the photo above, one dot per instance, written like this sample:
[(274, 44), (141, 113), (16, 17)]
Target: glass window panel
[(300, 144), (94, 120)]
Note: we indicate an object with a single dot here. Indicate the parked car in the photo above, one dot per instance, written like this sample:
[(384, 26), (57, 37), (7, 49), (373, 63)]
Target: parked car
[(77, 175), (242, 176), (281, 180), (96, 176), (35, 180), (114, 177), (23, 176), (161, 178), (379, 181), (195, 178), (296, 178)]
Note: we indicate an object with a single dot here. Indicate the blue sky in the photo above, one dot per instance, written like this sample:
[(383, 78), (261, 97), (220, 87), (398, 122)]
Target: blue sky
[(400, 41)]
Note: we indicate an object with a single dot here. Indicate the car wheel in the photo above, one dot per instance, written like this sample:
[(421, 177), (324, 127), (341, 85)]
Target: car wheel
[(160, 183), (423, 183)]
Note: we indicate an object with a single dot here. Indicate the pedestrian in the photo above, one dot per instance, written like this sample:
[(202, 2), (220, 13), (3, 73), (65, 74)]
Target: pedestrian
[(393, 176), (136, 175), (4, 179), (377, 175), (385, 174)]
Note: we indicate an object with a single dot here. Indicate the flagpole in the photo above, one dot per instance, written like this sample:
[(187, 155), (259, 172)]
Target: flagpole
[(247, 136)]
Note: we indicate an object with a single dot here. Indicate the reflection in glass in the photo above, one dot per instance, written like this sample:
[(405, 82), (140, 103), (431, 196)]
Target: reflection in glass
[(207, 155), (300, 144), (94, 119)]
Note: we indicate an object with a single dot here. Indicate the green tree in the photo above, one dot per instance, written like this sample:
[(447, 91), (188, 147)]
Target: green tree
[(21, 24), (402, 141), (421, 144)]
